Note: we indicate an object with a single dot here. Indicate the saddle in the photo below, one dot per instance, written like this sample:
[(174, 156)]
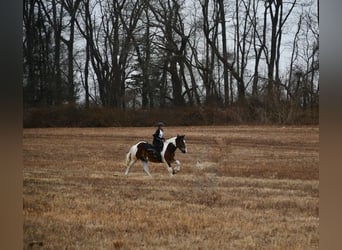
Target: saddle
[(154, 150)]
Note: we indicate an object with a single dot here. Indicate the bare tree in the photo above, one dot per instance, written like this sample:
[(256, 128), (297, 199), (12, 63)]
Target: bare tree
[(224, 51), (145, 54), (278, 18), (43, 24), (243, 43), (210, 33), (210, 30), (71, 7), (172, 43), (109, 45)]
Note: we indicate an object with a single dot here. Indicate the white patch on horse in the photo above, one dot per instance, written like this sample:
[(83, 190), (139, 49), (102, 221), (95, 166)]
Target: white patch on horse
[(131, 157), (166, 144)]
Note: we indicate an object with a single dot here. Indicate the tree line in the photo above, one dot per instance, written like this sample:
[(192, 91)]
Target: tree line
[(148, 54)]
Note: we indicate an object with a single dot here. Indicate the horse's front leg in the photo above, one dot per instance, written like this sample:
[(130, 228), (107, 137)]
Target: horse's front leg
[(177, 167), (169, 168)]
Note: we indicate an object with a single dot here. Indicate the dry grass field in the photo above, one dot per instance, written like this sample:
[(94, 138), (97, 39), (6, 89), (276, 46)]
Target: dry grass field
[(240, 187)]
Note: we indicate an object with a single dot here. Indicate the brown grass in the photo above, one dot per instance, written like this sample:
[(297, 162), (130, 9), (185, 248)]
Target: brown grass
[(239, 188)]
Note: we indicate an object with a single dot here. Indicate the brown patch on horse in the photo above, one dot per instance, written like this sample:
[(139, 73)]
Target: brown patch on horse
[(170, 153), (144, 155), (180, 143), (141, 152)]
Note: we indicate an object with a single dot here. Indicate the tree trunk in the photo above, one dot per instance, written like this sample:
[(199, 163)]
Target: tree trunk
[(225, 53)]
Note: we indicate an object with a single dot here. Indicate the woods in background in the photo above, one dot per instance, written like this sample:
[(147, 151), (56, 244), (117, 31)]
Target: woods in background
[(259, 57)]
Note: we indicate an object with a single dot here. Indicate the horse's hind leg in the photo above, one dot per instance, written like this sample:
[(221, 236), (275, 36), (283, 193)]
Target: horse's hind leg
[(146, 168), (129, 165)]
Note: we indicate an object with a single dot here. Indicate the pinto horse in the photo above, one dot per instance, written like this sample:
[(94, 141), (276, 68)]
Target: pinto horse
[(142, 151)]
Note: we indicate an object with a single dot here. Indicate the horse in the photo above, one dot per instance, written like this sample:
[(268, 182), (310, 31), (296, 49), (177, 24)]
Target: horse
[(144, 151)]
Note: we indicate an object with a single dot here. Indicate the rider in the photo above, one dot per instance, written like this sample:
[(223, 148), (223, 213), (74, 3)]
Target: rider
[(158, 139)]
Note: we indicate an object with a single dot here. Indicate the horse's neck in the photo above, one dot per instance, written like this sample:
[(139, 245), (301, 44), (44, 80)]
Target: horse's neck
[(171, 141)]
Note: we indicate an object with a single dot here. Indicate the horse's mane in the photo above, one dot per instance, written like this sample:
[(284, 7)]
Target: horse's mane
[(171, 139)]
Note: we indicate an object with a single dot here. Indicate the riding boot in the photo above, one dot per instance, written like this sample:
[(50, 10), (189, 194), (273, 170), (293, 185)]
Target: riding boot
[(159, 156), (156, 154)]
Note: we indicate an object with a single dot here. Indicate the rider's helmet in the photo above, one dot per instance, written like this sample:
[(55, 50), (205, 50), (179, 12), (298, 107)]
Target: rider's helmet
[(160, 124)]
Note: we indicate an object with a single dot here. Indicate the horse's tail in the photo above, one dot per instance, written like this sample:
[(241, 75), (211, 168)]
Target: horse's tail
[(128, 157), (131, 155)]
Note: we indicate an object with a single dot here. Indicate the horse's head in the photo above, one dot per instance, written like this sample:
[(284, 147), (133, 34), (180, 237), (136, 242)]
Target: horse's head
[(180, 143)]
